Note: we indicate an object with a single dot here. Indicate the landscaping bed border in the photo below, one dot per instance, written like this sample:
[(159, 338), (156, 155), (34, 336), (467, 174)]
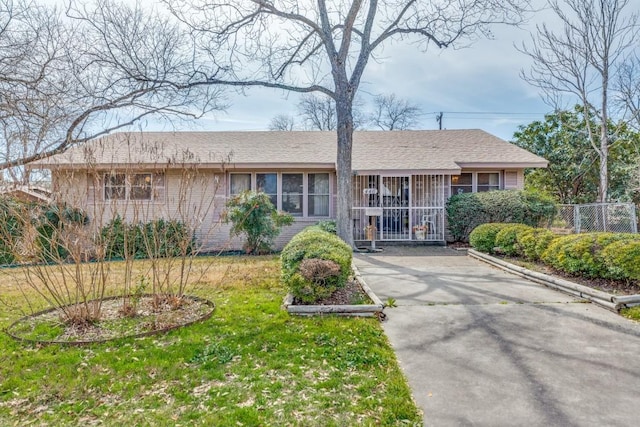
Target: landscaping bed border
[(366, 310), (9, 329), (603, 299)]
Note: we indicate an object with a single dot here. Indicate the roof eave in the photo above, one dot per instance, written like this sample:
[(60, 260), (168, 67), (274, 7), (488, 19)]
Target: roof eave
[(502, 165)]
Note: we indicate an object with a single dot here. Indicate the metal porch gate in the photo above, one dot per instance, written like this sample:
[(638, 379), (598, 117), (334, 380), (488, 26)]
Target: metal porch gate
[(412, 207)]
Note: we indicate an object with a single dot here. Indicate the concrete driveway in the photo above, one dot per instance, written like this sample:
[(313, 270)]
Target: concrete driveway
[(486, 348)]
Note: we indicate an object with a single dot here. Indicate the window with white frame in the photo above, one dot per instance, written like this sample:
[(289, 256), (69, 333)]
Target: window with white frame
[(115, 186), (318, 194), (140, 186), (133, 186), (462, 183), (267, 183), (292, 193), (300, 194), (471, 182), (239, 182), (488, 181)]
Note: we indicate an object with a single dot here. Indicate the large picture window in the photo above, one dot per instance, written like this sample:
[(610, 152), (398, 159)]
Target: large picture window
[(300, 194), (318, 194)]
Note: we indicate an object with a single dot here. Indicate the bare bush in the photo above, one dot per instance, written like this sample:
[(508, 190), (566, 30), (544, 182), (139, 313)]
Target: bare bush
[(318, 270)]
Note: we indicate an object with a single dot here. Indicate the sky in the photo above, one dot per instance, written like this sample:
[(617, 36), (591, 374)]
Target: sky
[(475, 87), (478, 87)]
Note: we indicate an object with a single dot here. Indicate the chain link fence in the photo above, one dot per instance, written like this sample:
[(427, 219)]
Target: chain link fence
[(613, 217)]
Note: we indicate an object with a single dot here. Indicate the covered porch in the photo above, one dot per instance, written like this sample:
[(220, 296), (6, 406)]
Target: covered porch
[(400, 207)]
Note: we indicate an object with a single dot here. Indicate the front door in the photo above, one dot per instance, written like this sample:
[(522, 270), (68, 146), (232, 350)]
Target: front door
[(394, 198)]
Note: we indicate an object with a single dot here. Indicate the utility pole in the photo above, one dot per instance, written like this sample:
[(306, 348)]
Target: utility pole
[(439, 119)]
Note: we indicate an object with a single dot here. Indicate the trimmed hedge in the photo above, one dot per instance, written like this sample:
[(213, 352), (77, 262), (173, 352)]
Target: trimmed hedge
[(507, 239), (466, 211), (534, 242), (483, 237), (622, 259), (315, 243), (581, 254)]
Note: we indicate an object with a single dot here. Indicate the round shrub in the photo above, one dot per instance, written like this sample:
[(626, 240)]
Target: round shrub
[(581, 253), (534, 242), (483, 237), (622, 259), (312, 281), (507, 239)]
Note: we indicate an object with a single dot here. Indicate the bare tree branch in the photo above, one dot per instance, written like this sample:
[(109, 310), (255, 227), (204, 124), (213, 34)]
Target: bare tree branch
[(582, 61), (68, 79), (325, 45), (393, 113)]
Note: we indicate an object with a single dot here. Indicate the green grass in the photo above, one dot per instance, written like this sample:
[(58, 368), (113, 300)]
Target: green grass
[(632, 313), (250, 364)]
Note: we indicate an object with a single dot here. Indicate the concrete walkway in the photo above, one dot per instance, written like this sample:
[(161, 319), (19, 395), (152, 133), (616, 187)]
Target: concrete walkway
[(482, 347)]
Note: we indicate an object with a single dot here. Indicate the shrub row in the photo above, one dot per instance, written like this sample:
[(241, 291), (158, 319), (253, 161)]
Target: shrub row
[(594, 255), (315, 263), (466, 211)]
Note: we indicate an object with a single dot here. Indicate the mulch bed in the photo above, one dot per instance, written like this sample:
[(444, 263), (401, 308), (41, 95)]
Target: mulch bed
[(352, 293), (615, 287)]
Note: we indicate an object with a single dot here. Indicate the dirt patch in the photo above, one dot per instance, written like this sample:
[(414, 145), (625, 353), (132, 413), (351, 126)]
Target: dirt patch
[(351, 294), (152, 314)]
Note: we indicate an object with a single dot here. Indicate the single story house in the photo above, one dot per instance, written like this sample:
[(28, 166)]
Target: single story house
[(402, 178)]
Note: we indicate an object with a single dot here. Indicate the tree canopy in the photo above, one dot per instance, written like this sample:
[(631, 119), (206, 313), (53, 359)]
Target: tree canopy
[(573, 172)]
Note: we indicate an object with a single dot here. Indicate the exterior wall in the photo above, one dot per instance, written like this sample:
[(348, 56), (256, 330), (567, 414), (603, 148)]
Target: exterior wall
[(194, 197), (197, 198)]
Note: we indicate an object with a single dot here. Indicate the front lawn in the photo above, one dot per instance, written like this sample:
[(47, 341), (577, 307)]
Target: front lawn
[(250, 364)]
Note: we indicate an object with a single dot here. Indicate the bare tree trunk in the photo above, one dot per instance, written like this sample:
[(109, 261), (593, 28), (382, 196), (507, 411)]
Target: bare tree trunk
[(345, 143), (604, 161)]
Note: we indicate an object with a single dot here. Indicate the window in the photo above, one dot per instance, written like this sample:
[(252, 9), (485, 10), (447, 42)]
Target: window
[(300, 194), (268, 183), (475, 182), (137, 186), (488, 181), (240, 182), (318, 194), (140, 186), (462, 183), (115, 186), (292, 191)]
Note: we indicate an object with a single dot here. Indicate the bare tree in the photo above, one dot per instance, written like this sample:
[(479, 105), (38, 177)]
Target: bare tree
[(325, 46), (628, 90), (582, 60), (68, 79), (282, 122), (318, 112), (393, 113)]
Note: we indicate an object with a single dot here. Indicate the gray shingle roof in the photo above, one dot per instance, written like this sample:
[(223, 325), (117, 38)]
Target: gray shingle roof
[(432, 150)]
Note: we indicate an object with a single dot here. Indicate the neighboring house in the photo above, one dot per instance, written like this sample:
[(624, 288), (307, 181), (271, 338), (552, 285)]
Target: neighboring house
[(25, 193), (405, 177)]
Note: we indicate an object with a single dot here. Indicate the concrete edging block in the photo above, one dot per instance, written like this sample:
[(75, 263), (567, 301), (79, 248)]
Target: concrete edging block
[(603, 299), (374, 309)]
